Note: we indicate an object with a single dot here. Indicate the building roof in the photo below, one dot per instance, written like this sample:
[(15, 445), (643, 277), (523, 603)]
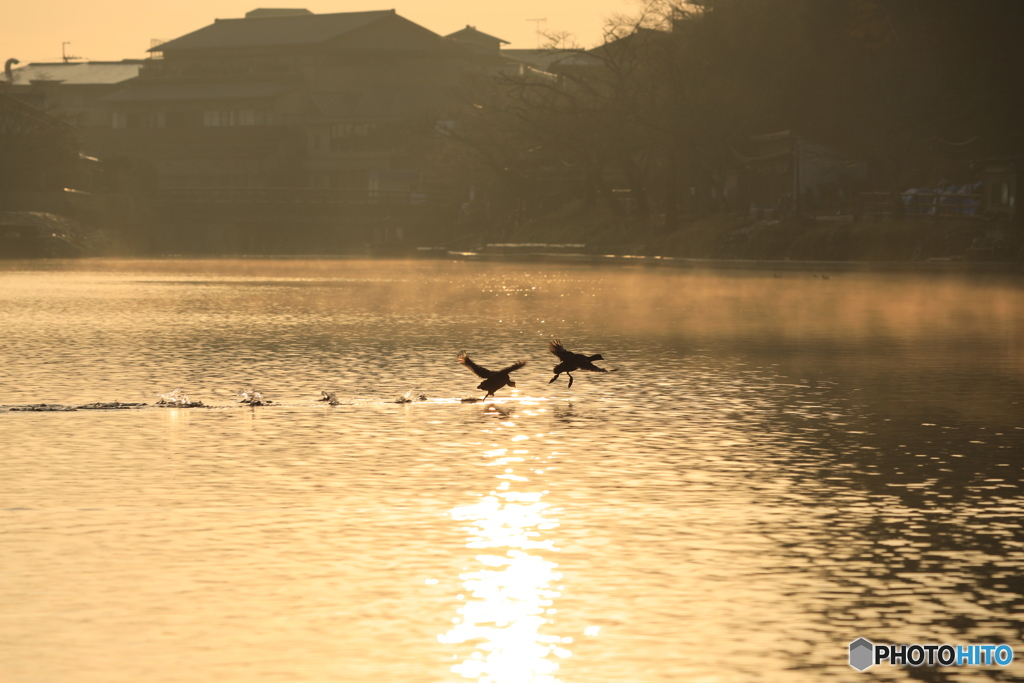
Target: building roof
[(539, 59), (579, 59), (79, 73), (275, 12), (197, 91), (273, 30), (472, 33)]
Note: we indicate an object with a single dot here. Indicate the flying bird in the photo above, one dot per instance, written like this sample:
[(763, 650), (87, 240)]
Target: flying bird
[(570, 362), (493, 379)]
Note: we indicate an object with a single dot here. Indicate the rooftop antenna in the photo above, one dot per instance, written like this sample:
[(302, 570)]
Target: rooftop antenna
[(538, 22), (63, 53)]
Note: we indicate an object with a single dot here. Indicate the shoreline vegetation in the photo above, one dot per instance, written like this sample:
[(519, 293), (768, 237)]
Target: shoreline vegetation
[(581, 235), (840, 242)]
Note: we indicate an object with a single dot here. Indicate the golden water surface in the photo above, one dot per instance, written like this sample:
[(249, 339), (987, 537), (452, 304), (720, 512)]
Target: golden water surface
[(777, 465)]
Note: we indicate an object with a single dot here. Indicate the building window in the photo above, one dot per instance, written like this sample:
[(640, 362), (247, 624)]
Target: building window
[(138, 119), (184, 119), (349, 180), (351, 130), (238, 117), (217, 117)]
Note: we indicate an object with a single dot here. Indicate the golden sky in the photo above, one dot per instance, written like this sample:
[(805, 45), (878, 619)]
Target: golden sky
[(118, 29)]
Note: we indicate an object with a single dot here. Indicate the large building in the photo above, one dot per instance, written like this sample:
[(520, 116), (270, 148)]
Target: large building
[(291, 98), (280, 131), (71, 91), (282, 122)]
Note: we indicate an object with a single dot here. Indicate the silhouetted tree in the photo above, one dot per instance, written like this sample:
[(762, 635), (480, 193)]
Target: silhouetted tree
[(672, 98), (37, 152), (914, 87)]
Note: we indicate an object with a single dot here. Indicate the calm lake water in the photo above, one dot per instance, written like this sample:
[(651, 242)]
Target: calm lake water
[(780, 464)]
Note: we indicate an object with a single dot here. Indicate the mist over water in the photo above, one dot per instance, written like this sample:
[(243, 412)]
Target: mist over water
[(777, 466)]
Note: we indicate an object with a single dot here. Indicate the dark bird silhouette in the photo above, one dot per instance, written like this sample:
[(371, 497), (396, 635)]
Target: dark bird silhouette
[(493, 379), (572, 361)]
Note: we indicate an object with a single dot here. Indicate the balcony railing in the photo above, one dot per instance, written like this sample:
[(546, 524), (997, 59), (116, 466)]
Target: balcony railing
[(925, 205), (304, 196)]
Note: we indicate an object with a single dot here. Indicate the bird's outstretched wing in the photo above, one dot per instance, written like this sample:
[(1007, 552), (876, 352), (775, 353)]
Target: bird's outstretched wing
[(477, 370), (555, 347), (512, 368)]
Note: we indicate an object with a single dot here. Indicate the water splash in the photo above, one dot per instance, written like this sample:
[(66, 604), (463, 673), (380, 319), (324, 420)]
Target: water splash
[(253, 398), (177, 399)]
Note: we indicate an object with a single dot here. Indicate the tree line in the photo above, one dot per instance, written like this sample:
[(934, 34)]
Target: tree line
[(665, 109)]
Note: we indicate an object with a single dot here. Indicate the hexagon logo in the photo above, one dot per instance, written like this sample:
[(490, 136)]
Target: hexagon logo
[(861, 654)]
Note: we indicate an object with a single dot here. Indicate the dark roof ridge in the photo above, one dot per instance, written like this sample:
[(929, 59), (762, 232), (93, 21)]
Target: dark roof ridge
[(291, 29), (299, 17)]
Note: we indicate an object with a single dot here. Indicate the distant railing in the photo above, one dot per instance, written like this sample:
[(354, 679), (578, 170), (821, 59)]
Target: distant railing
[(942, 204), (924, 205), (291, 195)]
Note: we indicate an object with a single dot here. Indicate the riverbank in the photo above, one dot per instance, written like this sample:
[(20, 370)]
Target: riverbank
[(726, 240), (778, 266)]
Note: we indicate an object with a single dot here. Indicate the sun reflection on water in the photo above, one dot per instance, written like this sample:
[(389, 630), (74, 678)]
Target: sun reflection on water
[(512, 590)]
